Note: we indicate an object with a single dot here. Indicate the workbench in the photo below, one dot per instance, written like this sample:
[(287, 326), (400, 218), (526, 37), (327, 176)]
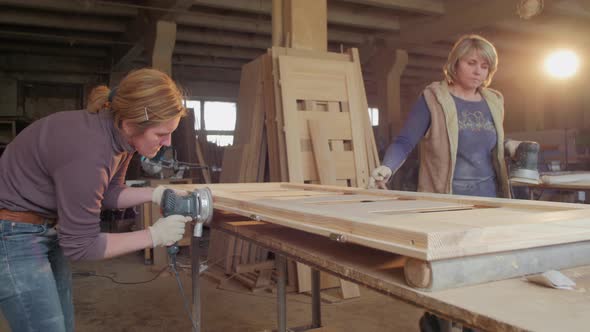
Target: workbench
[(508, 305), (579, 187)]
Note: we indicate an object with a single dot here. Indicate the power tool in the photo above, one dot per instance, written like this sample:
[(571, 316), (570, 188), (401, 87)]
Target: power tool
[(166, 159), (524, 161), (198, 205)]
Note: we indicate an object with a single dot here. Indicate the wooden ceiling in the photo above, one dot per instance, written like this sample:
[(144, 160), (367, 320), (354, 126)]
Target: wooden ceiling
[(216, 37)]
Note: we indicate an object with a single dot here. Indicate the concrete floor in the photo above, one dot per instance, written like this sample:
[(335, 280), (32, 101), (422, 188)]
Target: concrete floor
[(102, 305)]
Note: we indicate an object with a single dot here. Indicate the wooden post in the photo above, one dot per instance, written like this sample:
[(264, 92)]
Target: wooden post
[(305, 24), (277, 23), (394, 94), (162, 46), (390, 64)]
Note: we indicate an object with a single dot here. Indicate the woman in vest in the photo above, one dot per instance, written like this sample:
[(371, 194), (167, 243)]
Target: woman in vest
[(458, 123)]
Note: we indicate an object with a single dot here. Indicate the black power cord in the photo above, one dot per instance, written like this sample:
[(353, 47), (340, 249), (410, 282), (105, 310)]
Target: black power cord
[(85, 274)]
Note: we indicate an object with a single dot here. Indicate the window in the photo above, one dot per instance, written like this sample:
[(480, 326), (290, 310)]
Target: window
[(220, 122), (374, 116), (220, 115), (215, 119)]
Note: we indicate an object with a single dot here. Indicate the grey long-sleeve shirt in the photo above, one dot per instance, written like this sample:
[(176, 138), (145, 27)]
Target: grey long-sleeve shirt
[(67, 166)]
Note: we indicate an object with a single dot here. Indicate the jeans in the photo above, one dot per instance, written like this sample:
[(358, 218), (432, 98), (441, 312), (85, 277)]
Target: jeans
[(35, 279)]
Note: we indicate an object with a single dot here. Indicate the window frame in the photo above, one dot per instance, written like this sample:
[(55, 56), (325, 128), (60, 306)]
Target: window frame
[(201, 130)]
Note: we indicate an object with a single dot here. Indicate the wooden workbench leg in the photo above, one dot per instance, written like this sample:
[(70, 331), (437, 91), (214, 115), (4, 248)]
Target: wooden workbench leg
[(316, 309), (281, 263)]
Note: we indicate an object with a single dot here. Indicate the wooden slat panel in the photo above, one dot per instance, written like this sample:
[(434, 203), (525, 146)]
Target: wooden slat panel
[(425, 226)]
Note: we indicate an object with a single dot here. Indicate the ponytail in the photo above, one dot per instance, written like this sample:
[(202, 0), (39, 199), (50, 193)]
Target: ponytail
[(98, 98)]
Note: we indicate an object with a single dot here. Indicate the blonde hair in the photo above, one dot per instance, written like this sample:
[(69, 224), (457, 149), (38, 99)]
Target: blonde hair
[(463, 47), (146, 97)]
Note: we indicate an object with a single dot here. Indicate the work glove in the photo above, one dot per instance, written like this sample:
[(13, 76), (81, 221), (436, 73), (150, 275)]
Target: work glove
[(165, 231), (159, 192), (379, 177), (510, 147)]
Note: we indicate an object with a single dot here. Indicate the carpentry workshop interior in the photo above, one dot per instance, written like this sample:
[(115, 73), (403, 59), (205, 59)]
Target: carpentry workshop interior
[(294, 165)]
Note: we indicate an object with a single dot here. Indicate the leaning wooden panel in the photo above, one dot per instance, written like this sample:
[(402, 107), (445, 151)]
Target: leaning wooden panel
[(304, 80), (424, 226)]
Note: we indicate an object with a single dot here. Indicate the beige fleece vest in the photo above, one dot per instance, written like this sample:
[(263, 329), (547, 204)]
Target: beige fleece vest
[(438, 148)]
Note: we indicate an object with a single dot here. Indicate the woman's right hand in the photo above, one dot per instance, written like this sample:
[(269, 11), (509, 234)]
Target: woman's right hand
[(379, 177), (168, 230)]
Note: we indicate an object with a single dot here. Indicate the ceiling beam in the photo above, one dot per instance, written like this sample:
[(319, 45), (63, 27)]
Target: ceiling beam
[(57, 77), (234, 39), (471, 16), (86, 7), (259, 26), (430, 7), (572, 8), (36, 63), (564, 32), (425, 73), (69, 39), (337, 14), (27, 48), (426, 63), (431, 50), (209, 90), (207, 61), (217, 51), (61, 21), (184, 34), (206, 74)]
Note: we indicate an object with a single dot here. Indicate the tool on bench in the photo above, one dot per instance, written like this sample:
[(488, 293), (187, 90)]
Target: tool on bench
[(198, 205), (166, 159), (524, 160)]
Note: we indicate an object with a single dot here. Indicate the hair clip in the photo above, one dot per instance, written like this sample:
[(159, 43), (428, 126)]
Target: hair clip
[(147, 118)]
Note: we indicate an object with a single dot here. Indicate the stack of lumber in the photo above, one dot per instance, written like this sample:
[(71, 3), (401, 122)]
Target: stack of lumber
[(306, 113)]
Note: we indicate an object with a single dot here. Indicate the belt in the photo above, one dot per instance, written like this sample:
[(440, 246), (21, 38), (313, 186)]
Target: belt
[(25, 217)]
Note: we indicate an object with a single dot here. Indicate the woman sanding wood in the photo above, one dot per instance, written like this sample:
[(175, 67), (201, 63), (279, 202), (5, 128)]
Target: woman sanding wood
[(55, 177)]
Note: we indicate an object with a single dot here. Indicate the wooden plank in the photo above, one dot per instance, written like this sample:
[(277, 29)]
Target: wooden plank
[(278, 112), (321, 152), (371, 146)]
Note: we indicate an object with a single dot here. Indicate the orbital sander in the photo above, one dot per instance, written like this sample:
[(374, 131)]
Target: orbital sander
[(524, 161), (198, 205)]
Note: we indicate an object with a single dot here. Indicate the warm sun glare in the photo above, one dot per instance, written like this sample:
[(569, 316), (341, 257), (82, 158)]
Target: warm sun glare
[(562, 64)]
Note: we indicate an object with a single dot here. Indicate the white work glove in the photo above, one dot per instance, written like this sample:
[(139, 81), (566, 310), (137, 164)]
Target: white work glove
[(159, 192), (379, 177), (168, 230), (510, 146)]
